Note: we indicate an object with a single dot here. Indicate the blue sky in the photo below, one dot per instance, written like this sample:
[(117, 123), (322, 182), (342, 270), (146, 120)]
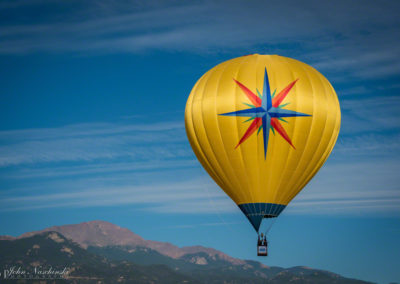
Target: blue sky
[(91, 123)]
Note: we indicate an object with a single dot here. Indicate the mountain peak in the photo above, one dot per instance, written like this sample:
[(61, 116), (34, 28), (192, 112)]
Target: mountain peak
[(73, 242), (95, 233), (101, 223), (100, 233)]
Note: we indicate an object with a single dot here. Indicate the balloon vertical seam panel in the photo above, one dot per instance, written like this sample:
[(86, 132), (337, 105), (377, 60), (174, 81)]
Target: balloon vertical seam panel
[(227, 119), (329, 134), (193, 137), (306, 156)]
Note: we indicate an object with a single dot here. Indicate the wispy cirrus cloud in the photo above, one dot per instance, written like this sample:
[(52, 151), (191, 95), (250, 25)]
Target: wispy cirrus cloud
[(189, 197), (352, 187), (370, 114), (88, 142), (369, 146), (197, 25), (87, 169), (369, 64), (354, 193), (345, 41), (93, 165), (86, 129)]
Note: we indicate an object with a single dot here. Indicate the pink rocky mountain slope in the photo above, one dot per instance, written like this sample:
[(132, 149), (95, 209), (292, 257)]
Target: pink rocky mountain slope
[(101, 234)]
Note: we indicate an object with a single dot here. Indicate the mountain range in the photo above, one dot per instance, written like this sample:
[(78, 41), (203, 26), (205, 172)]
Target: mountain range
[(101, 252)]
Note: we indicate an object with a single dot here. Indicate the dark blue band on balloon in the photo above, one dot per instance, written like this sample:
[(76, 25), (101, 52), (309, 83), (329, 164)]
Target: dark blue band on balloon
[(255, 212)]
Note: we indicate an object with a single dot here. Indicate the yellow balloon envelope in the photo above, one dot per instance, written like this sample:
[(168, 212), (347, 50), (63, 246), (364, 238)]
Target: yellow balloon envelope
[(262, 126)]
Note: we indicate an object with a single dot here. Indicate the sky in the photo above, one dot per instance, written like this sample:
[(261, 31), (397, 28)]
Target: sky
[(92, 124)]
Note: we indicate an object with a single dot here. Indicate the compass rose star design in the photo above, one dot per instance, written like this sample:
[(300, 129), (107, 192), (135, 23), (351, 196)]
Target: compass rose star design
[(266, 112)]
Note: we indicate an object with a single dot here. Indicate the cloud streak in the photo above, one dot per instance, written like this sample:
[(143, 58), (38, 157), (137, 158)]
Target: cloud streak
[(341, 38), (354, 193), (352, 187), (90, 142), (97, 165), (370, 114), (183, 197)]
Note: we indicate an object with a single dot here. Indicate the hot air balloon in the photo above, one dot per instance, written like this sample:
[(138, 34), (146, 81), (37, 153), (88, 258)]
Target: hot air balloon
[(262, 126)]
